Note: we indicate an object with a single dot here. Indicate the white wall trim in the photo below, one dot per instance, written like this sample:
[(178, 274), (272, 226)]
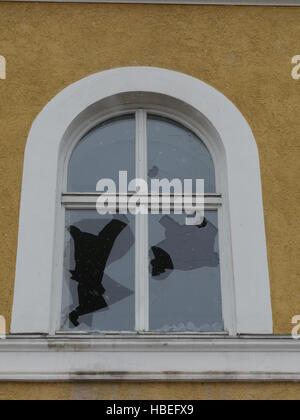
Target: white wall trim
[(187, 2), (37, 260), (149, 359)]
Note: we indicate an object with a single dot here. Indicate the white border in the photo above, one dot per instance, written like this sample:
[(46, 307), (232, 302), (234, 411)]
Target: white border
[(186, 2), (37, 260), (149, 359)]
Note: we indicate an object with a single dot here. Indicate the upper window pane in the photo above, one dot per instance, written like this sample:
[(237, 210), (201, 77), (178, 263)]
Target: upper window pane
[(102, 153), (176, 152)]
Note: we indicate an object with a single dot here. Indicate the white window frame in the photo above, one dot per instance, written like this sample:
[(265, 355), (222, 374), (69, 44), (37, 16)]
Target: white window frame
[(213, 201), (67, 117), (32, 353)]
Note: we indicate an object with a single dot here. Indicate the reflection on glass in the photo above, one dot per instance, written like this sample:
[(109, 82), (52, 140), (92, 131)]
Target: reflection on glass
[(102, 153), (185, 287), (98, 287), (176, 152)]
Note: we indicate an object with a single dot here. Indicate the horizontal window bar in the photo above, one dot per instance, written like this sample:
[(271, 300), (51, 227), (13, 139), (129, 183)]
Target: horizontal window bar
[(154, 202), (86, 206), (76, 194)]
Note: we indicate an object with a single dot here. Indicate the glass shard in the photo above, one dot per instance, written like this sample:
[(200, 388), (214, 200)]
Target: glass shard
[(185, 287), (99, 272)]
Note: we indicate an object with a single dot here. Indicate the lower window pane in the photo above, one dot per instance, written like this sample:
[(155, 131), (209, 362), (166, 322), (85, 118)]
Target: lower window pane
[(185, 287), (98, 285)]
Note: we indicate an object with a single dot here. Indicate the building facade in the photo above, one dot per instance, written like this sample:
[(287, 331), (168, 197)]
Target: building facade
[(227, 75)]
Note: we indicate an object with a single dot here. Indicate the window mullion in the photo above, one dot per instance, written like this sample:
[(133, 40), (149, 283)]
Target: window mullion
[(141, 261)]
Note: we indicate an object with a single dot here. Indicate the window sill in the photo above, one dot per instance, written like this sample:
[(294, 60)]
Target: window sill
[(149, 358)]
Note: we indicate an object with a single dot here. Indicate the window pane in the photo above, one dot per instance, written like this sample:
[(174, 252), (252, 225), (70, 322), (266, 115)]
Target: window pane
[(102, 153), (176, 152), (98, 285), (185, 288)]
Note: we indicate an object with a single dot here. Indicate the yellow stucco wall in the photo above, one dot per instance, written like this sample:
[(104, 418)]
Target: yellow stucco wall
[(142, 391), (244, 52)]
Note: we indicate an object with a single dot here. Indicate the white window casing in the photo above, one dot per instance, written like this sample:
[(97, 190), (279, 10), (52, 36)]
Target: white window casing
[(74, 111), (249, 351)]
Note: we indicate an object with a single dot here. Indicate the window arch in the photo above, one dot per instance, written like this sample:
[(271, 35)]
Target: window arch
[(173, 96)]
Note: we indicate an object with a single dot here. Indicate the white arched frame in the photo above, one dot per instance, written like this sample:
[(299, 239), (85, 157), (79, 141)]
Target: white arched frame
[(67, 116)]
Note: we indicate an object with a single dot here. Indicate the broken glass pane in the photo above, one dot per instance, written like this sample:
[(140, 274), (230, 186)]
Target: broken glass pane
[(102, 153), (176, 152), (98, 284), (185, 287)]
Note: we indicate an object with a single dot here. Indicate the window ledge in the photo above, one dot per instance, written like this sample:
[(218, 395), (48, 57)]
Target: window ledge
[(149, 358)]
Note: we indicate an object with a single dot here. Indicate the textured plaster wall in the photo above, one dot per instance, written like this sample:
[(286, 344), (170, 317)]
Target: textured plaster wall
[(140, 391), (244, 52)]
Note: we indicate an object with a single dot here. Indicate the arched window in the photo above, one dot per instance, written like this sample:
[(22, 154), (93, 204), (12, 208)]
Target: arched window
[(159, 274), (126, 271), (148, 296)]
